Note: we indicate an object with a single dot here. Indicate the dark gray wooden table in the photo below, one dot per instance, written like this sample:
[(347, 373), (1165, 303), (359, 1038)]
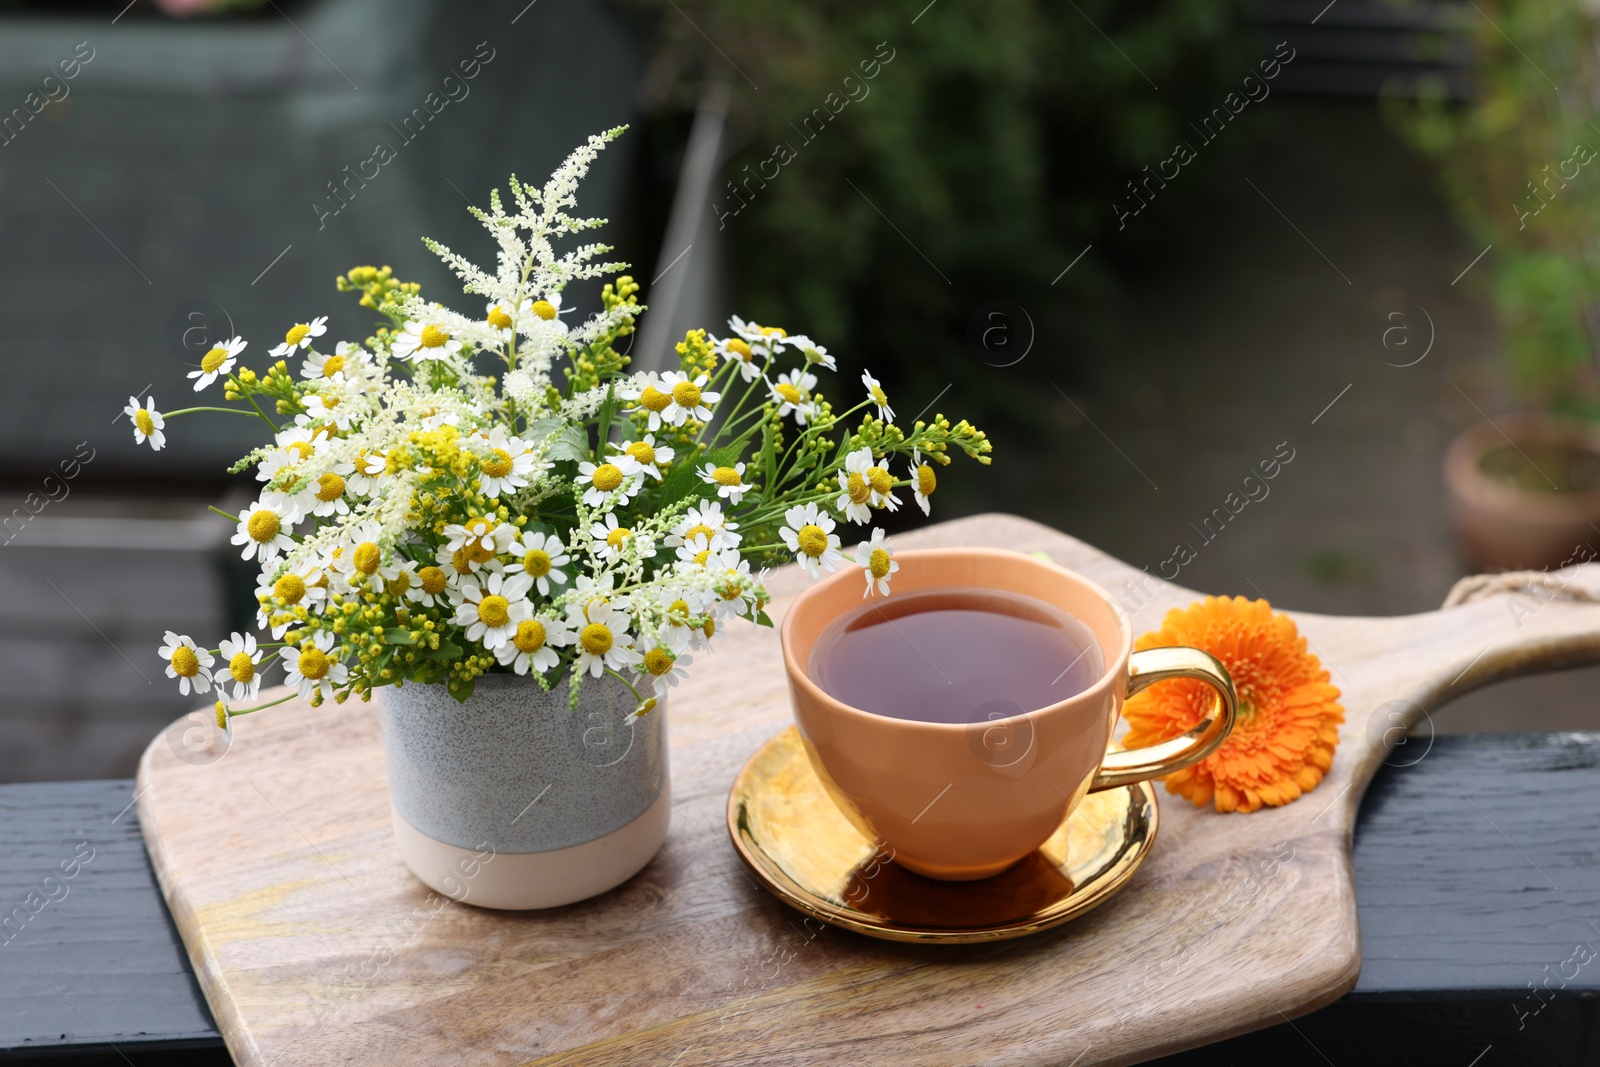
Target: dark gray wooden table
[(1477, 875)]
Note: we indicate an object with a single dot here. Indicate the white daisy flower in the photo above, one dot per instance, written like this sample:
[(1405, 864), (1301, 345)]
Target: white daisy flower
[(603, 639), (300, 336), (864, 484), (421, 341), (885, 412), (430, 588), (305, 586), (609, 541), (706, 518), (491, 611), (652, 395), (877, 559), (816, 355), (363, 555), (147, 422), (217, 362), (296, 444), (540, 556), (546, 314), (533, 645), (649, 456), (186, 662), (738, 350), (329, 492), (809, 535), (611, 483), (481, 539), (923, 481), (688, 621), (501, 316), (695, 551), (346, 360), (369, 467), (242, 658), (313, 667), (735, 586), (406, 578), (665, 662), (688, 399), (264, 528), (729, 481), (792, 391), (326, 405), (507, 466), (459, 563)]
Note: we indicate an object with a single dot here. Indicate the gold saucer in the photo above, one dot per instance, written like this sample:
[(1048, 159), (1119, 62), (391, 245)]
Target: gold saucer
[(795, 840)]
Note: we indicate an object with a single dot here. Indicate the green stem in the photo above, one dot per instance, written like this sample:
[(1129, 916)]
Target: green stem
[(262, 707)]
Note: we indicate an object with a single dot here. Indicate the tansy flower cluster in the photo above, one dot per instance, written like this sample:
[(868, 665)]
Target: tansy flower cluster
[(419, 520)]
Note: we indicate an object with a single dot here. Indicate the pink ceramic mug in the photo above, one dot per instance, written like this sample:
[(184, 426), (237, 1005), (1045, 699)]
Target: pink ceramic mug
[(967, 800)]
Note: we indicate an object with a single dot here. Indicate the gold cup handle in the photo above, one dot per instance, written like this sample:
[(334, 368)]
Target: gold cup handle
[(1158, 665)]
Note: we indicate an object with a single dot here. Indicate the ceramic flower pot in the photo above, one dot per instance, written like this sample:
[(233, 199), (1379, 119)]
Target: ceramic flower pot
[(514, 800), (1543, 510)]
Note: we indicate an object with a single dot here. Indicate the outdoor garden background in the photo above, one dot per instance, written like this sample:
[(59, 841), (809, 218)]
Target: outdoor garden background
[(986, 200)]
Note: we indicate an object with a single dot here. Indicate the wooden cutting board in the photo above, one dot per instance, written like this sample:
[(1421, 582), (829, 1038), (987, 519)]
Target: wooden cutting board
[(314, 945)]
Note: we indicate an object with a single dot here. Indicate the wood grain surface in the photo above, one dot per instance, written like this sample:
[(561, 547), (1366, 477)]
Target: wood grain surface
[(314, 945)]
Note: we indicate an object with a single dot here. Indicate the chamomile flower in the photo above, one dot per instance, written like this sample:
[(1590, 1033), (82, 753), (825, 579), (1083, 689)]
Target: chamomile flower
[(421, 341), (687, 621), (706, 518), (862, 474), (792, 391), (540, 556), (263, 529), (363, 555), (243, 660), (533, 645), (346, 361), (217, 362), (650, 456), (456, 563), (877, 559), (875, 390), (300, 336), (546, 314), (815, 354), (430, 588), (664, 663), (507, 466), (738, 350), (481, 539), (147, 422), (406, 578), (491, 610), (611, 483), (687, 398), (369, 468), (729, 481), (313, 667), (735, 586), (296, 444), (923, 481), (326, 405), (694, 552), (651, 394), (186, 662), (603, 639), (330, 491), (809, 535), (305, 587), (610, 541), (501, 316)]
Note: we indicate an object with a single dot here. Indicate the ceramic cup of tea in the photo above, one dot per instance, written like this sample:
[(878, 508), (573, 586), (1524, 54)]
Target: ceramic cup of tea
[(963, 718)]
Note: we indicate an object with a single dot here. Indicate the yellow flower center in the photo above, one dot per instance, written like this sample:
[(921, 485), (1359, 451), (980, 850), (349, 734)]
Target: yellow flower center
[(878, 563), (397, 585), (146, 424), (858, 489), (596, 639), (304, 449), (643, 452), (222, 715), (185, 662), (478, 541), (433, 580), (433, 337), (879, 479), (314, 663), (740, 349), (788, 392), (774, 331), (529, 636), (658, 661), (654, 399), (544, 309), (678, 610), (213, 359), (330, 487), (701, 530), (926, 482), (606, 477), (686, 394), (498, 464), (878, 396), (242, 667), (617, 536), (296, 334), (366, 557), (494, 610), (458, 560), (290, 589), (332, 365), (726, 476), (813, 540), (701, 556), (500, 318), (710, 628), (536, 563), (263, 526)]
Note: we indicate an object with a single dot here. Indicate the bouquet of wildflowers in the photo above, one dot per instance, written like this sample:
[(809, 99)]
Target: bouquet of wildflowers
[(423, 520)]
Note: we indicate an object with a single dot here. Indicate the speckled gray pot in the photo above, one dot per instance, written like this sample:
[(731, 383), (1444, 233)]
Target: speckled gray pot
[(512, 800)]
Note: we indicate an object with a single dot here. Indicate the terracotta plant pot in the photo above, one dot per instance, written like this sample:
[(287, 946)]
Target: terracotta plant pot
[(1504, 525)]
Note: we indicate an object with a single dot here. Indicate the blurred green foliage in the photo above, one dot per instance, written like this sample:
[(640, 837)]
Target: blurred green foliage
[(975, 165), (1520, 163)]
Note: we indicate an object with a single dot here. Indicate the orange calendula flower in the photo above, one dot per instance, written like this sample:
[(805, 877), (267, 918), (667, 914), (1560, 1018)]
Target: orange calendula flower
[(1289, 716)]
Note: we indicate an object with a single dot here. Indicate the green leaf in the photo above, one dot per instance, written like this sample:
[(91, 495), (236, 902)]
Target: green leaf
[(447, 650), (573, 444), (462, 690), (763, 619)]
